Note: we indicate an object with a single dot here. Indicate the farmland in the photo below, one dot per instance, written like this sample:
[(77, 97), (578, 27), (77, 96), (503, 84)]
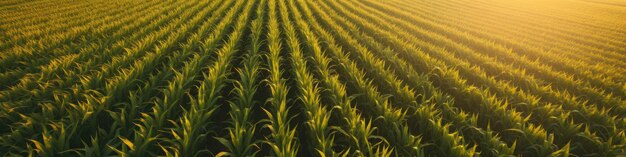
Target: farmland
[(312, 78)]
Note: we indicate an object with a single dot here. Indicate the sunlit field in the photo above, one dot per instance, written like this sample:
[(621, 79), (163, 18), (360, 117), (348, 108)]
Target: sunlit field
[(448, 78)]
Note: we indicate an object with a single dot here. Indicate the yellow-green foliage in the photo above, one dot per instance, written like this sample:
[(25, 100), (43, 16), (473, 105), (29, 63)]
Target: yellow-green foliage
[(312, 78)]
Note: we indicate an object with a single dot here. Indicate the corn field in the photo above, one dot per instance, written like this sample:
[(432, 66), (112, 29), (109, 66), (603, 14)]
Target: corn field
[(313, 78)]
